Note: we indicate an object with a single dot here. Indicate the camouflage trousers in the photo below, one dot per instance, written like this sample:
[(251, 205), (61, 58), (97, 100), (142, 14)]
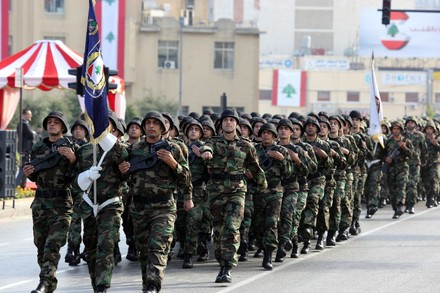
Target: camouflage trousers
[(101, 234), (227, 211), (153, 230), (325, 204), (384, 188), (358, 191), (346, 203), (247, 218), (127, 221), (266, 216), (299, 200), (50, 228), (314, 196), (179, 225), (285, 223), (194, 218), (412, 186), (372, 186), (74, 237), (431, 180), (397, 181), (339, 204)]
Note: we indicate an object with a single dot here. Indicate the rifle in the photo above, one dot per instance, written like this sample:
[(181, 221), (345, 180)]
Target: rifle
[(150, 160), (46, 162), (394, 153), (192, 156), (266, 161)]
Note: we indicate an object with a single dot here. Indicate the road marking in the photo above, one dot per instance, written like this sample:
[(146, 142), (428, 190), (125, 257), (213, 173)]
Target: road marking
[(14, 284), (2, 244), (286, 265)]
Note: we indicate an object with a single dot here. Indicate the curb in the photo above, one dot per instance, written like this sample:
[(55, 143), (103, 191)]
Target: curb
[(10, 209)]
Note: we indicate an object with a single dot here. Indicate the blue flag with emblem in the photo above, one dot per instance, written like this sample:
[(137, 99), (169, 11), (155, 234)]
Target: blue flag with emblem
[(93, 79)]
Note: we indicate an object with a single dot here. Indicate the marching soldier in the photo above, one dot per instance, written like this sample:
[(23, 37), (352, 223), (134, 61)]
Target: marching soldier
[(431, 169)]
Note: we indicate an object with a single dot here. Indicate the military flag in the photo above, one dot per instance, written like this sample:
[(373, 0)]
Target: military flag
[(376, 111), (93, 78)]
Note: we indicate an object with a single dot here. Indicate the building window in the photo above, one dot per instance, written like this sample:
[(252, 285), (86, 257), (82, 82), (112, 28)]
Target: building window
[(352, 96), (323, 96), (50, 38), (168, 54), (437, 98), (266, 95), (412, 97), (385, 97), (54, 6), (224, 55)]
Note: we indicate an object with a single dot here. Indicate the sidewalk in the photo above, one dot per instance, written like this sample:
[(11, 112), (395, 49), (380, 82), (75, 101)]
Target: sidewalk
[(21, 208)]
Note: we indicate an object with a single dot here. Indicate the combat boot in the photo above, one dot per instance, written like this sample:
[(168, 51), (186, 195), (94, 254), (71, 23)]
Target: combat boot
[(227, 278), (320, 241), (242, 251), (69, 255), (295, 248), (353, 230), (117, 254), (281, 253), (342, 236), (398, 212), (258, 253), (101, 289), (331, 238), (219, 278), (306, 247), (132, 253), (83, 255), (150, 288), (370, 212), (187, 261), (43, 287), (267, 260), (76, 257)]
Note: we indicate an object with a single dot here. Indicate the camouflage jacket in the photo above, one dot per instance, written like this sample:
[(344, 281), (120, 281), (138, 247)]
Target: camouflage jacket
[(433, 152), (399, 155), (339, 160), (199, 171), (160, 180), (420, 149), (275, 170), (57, 178), (231, 160), (324, 165), (109, 184), (310, 160)]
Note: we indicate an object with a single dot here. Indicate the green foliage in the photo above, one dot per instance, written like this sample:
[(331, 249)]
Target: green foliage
[(430, 111), (151, 102)]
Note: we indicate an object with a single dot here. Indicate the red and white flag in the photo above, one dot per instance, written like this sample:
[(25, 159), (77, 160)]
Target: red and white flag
[(111, 20), (376, 110), (289, 88)]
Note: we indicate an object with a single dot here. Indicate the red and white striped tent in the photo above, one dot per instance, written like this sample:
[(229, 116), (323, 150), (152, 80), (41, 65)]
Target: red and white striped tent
[(45, 66)]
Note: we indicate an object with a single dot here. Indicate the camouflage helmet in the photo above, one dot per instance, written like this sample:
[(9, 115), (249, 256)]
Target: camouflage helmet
[(313, 121), (154, 115), (355, 114), (230, 113), (324, 120), (335, 117), (137, 121), (430, 123), (59, 115), (269, 127), (285, 122), (208, 123), (82, 123), (246, 123), (174, 122), (348, 119), (190, 123), (397, 123), (411, 118), (297, 122)]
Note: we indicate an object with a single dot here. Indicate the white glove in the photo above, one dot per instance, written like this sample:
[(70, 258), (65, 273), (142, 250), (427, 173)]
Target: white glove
[(87, 177), (108, 142)]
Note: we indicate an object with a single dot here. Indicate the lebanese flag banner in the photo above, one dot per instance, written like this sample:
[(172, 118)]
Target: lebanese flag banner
[(111, 21), (4, 29), (289, 88)]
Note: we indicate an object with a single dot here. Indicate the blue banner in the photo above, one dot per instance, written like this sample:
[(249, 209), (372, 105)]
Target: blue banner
[(93, 78)]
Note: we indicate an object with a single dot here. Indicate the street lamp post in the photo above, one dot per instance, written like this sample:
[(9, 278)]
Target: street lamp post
[(181, 20)]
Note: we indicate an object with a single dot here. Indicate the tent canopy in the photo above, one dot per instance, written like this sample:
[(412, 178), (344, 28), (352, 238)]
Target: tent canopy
[(45, 66)]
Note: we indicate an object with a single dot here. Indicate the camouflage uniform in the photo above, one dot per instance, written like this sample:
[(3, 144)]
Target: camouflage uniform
[(398, 171), (268, 203), (52, 206), (419, 157), (431, 169), (101, 233), (226, 191), (153, 209)]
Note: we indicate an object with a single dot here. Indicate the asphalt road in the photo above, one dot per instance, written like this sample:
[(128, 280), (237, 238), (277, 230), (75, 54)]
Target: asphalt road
[(388, 256)]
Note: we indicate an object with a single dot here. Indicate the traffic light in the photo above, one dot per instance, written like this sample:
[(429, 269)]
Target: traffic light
[(7, 163), (78, 86), (110, 72), (386, 12)]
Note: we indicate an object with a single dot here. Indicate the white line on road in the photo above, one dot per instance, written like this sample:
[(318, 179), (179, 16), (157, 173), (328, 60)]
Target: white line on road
[(14, 284), (286, 265), (2, 244)]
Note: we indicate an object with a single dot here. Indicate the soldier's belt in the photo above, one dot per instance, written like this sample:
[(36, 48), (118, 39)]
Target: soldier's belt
[(152, 199), (197, 183), (315, 175), (289, 180), (52, 193), (302, 181), (234, 177), (273, 184)]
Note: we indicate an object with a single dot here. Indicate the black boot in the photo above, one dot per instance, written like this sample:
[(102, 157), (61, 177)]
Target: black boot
[(398, 211), (370, 212), (83, 255), (76, 257), (219, 278), (258, 253), (243, 251), (187, 261), (295, 248), (320, 241), (150, 288), (43, 287), (117, 254), (227, 278), (342, 236), (281, 253), (132, 253), (267, 260), (69, 255), (306, 247), (101, 289), (353, 230), (331, 238), (180, 253)]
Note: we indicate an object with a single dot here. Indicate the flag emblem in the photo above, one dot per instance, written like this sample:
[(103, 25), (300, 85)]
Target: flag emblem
[(95, 74)]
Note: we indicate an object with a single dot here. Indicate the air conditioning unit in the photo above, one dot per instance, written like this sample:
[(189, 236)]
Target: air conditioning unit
[(169, 64)]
